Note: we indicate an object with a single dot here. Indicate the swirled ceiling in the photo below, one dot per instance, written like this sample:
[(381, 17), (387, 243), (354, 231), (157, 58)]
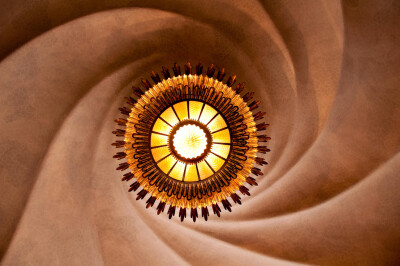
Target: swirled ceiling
[(328, 76)]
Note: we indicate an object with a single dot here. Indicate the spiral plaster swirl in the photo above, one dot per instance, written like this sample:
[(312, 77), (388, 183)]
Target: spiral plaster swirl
[(327, 73)]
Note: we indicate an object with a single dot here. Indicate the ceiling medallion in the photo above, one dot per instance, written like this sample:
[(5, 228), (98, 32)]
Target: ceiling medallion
[(191, 141)]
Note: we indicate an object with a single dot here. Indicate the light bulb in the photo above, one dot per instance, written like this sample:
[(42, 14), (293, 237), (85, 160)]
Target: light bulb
[(190, 141)]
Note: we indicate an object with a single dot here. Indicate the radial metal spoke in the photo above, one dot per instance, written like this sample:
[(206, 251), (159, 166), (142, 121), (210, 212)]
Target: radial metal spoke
[(212, 118), (173, 109), (222, 143), (170, 170), (165, 121), (163, 158), (155, 132), (219, 130), (160, 146), (198, 174), (202, 108), (209, 166), (184, 173), (219, 156), (188, 110)]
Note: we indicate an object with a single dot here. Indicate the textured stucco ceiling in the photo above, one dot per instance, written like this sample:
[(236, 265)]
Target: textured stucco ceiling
[(328, 74)]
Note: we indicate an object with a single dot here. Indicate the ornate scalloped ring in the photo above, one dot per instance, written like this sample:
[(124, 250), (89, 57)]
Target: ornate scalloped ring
[(191, 141)]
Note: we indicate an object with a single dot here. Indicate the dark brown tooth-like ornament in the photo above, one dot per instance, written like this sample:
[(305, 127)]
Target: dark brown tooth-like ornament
[(199, 69), (171, 211), (182, 214), (134, 186), (193, 214), (155, 77), (127, 176), (160, 207), (137, 91), (240, 87), (191, 141), (210, 71), (221, 74), (120, 155), (236, 198), (231, 81), (250, 180), (216, 209), (204, 213), (245, 190), (260, 161), (188, 69), (166, 73)]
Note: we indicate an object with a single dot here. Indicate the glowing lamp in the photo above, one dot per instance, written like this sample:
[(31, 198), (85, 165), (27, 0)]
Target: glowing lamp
[(191, 141)]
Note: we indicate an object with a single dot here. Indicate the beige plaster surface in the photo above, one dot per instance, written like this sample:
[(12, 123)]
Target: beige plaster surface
[(328, 75)]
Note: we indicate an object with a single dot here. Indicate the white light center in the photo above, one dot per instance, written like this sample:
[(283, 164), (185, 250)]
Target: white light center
[(190, 141)]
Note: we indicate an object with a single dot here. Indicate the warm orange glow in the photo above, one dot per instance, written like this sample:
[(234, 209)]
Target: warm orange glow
[(190, 141)]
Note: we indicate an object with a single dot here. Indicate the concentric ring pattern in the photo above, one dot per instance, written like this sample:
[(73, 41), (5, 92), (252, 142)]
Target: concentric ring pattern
[(164, 123), (326, 72)]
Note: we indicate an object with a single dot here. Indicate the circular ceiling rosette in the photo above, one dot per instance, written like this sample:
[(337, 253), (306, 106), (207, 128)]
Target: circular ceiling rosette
[(191, 141)]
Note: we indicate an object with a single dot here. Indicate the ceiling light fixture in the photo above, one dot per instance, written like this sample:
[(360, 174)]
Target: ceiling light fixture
[(191, 141)]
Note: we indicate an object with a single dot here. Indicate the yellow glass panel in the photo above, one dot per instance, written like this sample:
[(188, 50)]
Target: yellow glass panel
[(207, 114), (215, 162), (191, 173), (204, 170), (221, 149), (195, 109), (158, 140), (169, 116), (217, 123), (181, 110), (166, 164), (222, 136), (161, 127), (159, 153), (178, 170)]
